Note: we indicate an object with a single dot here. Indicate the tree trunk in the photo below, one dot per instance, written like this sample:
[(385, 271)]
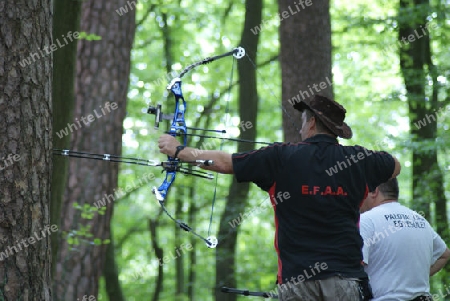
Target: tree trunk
[(159, 253), (416, 66), (111, 274), (238, 193), (25, 150), (192, 273), (66, 19), (305, 48), (179, 261), (103, 68)]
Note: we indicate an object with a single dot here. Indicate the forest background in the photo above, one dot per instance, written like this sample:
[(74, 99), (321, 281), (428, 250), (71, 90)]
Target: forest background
[(387, 62)]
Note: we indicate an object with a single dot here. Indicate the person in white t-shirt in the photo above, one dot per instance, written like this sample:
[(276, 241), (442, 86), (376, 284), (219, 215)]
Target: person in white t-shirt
[(401, 250)]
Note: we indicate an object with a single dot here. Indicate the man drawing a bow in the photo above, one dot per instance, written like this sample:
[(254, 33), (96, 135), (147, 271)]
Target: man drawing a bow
[(318, 224)]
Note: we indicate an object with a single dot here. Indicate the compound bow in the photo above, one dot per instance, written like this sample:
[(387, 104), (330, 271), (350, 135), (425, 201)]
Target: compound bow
[(178, 128)]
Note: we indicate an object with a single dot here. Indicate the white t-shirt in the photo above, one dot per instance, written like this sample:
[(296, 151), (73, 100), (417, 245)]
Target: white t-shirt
[(399, 248)]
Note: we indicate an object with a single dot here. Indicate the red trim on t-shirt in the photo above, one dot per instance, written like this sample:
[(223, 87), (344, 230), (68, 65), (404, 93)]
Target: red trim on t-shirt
[(366, 193), (275, 243)]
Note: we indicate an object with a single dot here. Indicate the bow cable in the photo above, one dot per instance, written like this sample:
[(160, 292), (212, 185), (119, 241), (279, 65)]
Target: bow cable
[(139, 161)]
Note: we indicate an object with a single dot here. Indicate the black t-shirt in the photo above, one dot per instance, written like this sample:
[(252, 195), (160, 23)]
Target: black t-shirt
[(316, 188)]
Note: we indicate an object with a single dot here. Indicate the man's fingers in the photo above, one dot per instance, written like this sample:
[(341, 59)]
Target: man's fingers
[(167, 144)]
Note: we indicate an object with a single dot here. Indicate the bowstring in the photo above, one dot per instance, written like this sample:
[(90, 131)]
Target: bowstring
[(227, 108), (226, 116), (291, 119)]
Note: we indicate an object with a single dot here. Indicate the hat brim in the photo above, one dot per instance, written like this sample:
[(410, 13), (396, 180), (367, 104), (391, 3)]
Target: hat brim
[(343, 131), (302, 105)]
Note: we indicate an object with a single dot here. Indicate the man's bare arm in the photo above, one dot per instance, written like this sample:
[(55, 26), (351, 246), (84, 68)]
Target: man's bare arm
[(222, 160), (440, 263)]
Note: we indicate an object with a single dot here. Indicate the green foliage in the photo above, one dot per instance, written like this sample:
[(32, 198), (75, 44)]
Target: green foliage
[(83, 233), (366, 80)]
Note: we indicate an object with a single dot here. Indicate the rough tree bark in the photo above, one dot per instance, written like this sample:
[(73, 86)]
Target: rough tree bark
[(238, 193), (101, 87), (305, 55), (25, 149)]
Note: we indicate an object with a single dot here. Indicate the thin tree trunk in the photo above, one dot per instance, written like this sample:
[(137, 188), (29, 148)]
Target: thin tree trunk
[(415, 57), (159, 252), (305, 55), (193, 209), (412, 63), (111, 274), (238, 193), (66, 19), (179, 266), (25, 150), (103, 68)]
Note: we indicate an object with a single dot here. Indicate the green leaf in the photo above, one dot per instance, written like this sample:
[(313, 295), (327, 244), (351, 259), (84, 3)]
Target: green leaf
[(101, 211), (88, 37)]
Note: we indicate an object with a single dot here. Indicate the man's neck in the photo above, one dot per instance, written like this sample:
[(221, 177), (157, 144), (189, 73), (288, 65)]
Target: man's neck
[(385, 201), (325, 133)]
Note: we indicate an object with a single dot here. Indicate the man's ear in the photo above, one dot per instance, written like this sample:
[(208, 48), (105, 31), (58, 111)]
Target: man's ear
[(375, 193), (312, 122)]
